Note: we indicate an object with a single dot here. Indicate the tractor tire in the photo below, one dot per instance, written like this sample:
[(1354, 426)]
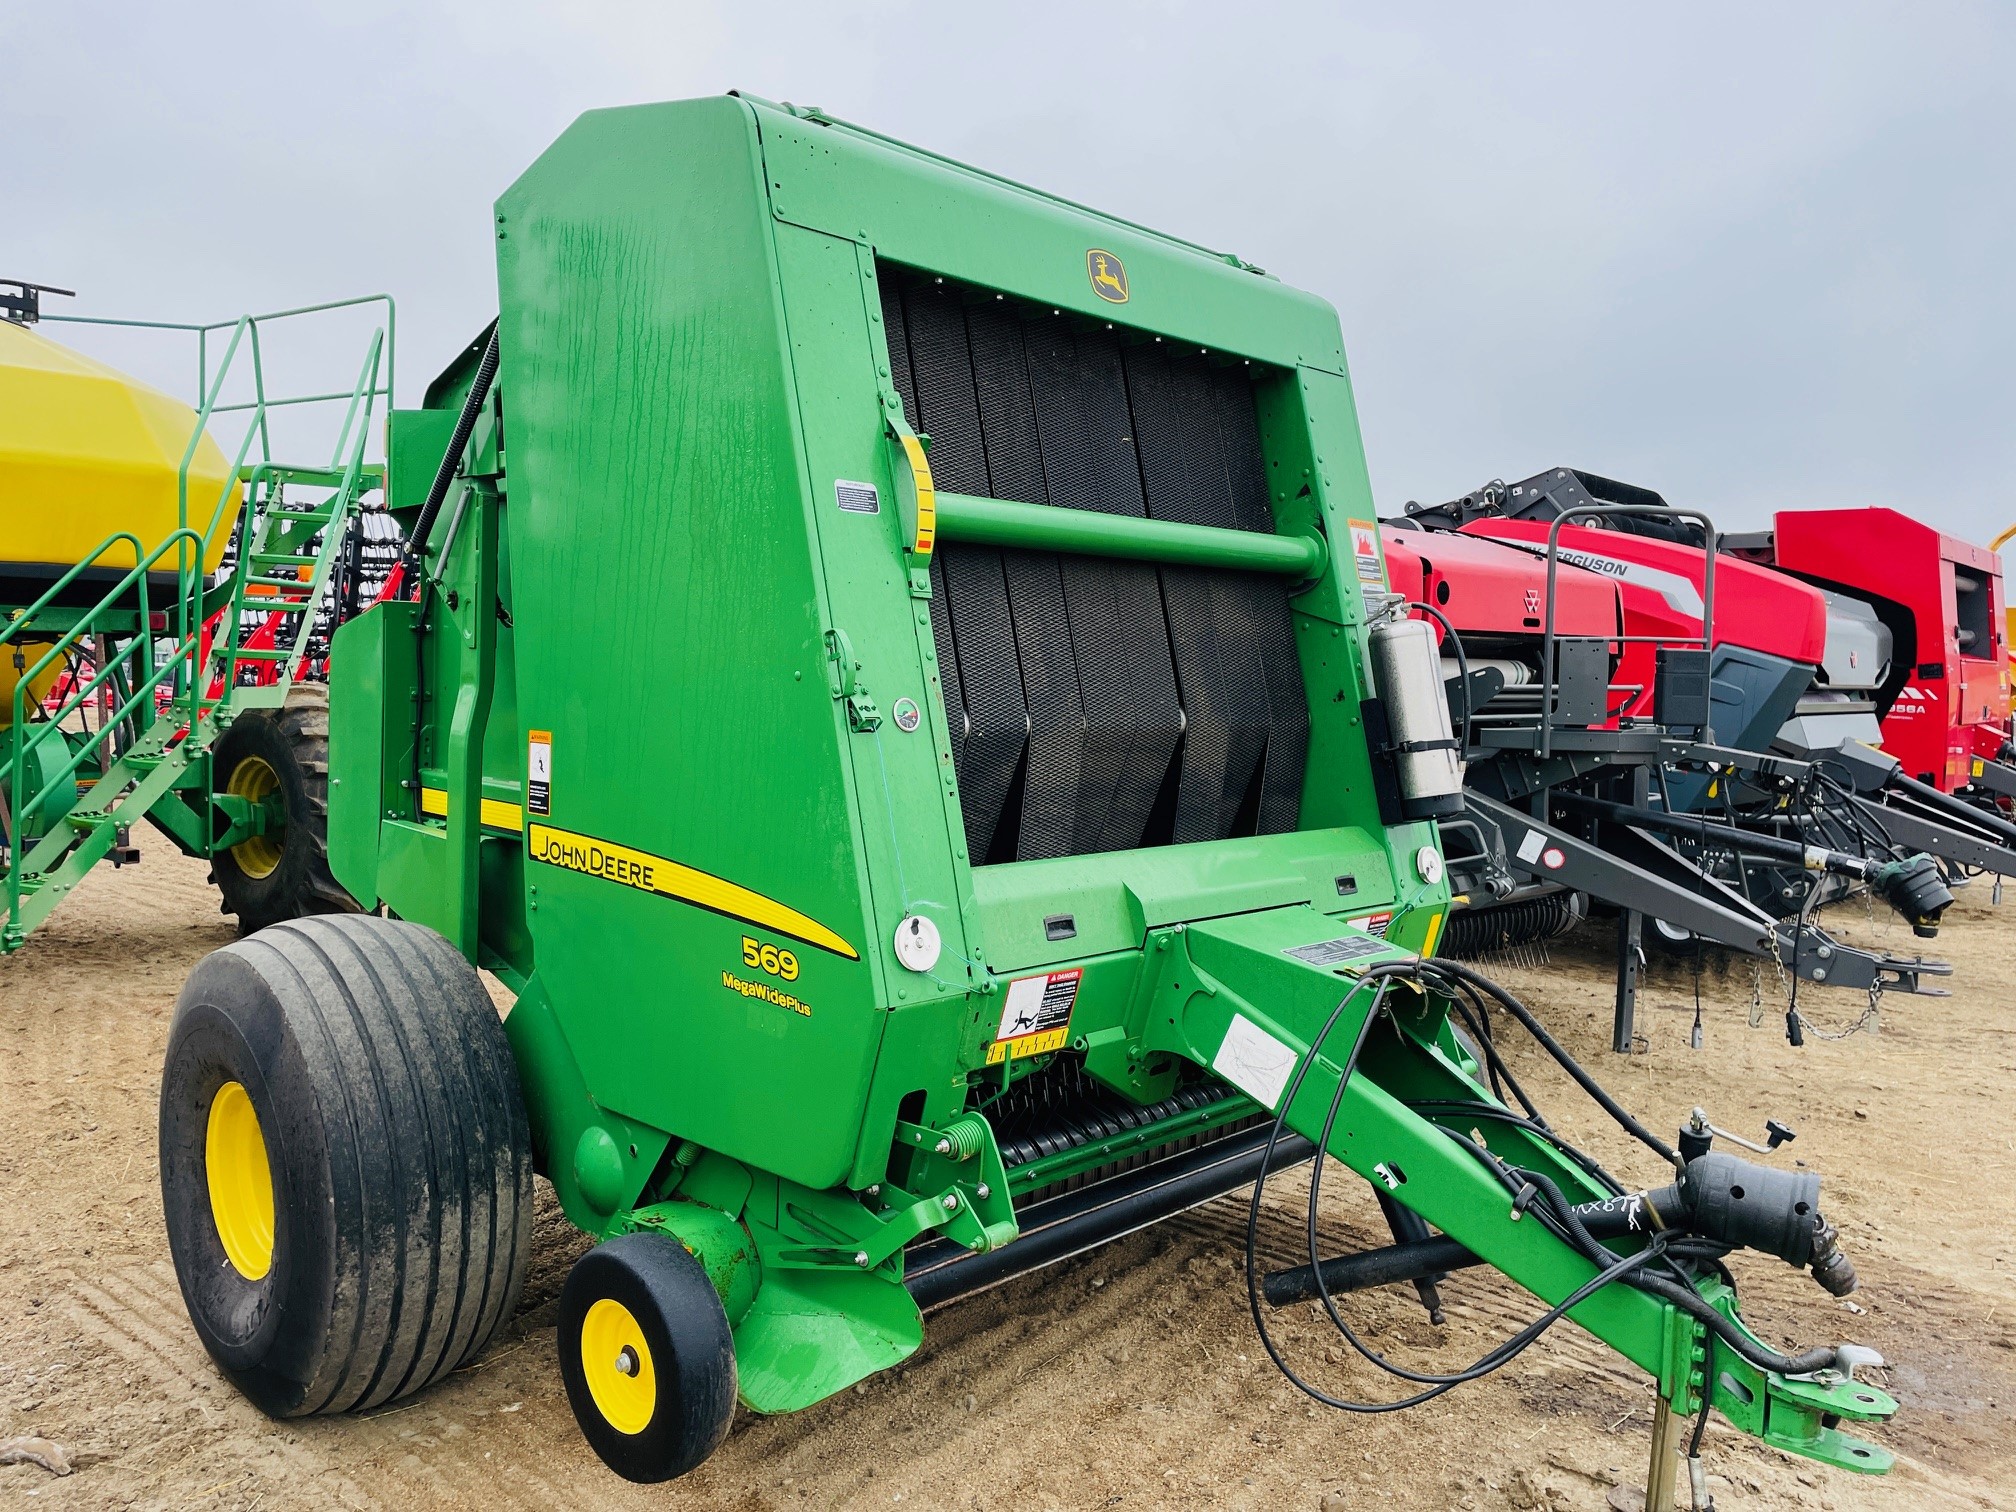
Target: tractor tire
[(647, 1356), (269, 879), (346, 1166)]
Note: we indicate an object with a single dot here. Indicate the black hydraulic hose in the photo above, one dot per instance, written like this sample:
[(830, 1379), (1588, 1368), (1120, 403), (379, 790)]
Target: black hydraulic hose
[(451, 459), (1462, 664), (1793, 852), (1561, 1057), (1615, 1269), (1951, 807), (1680, 1295)]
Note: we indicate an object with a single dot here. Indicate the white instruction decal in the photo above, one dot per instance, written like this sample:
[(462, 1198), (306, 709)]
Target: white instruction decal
[(857, 498), (539, 773), (1530, 846), (1254, 1061)]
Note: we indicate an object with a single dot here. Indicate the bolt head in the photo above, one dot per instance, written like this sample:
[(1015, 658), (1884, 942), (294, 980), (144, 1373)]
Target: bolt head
[(983, 1191), (861, 1258), (951, 1202)]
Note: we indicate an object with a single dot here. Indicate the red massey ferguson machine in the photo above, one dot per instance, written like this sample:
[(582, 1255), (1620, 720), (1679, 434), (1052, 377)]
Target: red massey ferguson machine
[(1569, 680), (1944, 703), (1803, 677)]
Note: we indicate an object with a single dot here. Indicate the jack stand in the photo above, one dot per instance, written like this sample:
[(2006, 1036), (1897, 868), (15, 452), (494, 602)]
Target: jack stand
[(1659, 1477)]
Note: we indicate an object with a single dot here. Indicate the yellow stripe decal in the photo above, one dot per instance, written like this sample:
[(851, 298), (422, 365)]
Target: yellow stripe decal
[(927, 495), (1434, 934), (685, 884), (496, 813)]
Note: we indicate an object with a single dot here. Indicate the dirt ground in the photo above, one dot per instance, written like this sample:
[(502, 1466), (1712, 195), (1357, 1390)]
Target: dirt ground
[(1127, 1378)]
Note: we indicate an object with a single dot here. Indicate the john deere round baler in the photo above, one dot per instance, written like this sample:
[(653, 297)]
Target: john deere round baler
[(905, 692)]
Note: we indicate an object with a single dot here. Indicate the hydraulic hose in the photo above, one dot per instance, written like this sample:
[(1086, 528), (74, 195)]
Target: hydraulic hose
[(1561, 1057), (1913, 885), (1689, 826), (458, 442), (1953, 808)]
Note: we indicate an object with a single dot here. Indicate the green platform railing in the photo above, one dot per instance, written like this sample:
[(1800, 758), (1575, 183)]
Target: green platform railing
[(183, 727)]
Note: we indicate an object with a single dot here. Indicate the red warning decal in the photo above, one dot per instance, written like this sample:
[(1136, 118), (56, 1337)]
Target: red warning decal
[(1365, 549)]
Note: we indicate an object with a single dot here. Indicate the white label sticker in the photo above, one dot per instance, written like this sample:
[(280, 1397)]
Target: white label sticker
[(1531, 846), (1254, 1061), (857, 498), (539, 772)]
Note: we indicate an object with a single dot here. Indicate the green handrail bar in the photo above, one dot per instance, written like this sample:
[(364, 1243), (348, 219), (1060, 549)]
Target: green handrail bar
[(186, 661), (18, 858), (1043, 527)]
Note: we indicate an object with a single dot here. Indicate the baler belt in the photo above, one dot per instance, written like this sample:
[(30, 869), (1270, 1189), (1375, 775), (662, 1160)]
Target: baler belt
[(942, 405), (1098, 705), (1054, 760), (1133, 716)]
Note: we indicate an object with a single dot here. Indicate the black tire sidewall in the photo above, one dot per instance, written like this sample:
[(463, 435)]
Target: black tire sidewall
[(265, 1334), (259, 901), (692, 1354)]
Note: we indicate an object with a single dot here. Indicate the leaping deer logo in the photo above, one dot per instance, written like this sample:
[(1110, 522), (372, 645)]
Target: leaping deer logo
[(1108, 275)]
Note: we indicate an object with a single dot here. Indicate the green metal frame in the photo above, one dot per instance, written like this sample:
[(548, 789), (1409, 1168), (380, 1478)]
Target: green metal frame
[(653, 588), (152, 753)]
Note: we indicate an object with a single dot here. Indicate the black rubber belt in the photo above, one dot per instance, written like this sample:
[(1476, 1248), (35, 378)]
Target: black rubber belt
[(1133, 719), (941, 404), (1098, 705)]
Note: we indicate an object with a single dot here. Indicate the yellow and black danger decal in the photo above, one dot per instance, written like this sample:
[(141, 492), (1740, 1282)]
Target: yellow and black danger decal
[(1037, 1015), (684, 884), (1108, 275)]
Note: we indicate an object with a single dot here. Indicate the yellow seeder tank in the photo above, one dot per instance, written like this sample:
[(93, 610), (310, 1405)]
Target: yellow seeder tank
[(86, 451)]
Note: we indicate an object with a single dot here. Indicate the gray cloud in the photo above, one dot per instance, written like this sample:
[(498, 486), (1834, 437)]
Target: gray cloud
[(1753, 256)]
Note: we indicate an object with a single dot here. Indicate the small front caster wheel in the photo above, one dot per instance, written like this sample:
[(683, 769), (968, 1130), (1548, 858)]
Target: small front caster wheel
[(647, 1356)]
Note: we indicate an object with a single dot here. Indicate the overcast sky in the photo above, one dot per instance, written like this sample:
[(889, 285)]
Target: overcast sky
[(1753, 256)]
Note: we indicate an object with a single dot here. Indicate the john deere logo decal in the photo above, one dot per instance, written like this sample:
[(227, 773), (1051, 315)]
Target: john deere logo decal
[(1109, 278)]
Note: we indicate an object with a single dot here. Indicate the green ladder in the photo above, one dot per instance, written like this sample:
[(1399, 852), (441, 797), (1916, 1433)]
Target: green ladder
[(284, 567)]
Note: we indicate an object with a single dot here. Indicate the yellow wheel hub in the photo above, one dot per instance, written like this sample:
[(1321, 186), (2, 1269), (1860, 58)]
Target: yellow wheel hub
[(617, 1363), (241, 1182), (254, 778)]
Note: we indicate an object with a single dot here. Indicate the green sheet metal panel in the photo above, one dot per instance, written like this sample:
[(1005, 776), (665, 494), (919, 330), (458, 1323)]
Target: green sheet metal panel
[(932, 213), (670, 638)]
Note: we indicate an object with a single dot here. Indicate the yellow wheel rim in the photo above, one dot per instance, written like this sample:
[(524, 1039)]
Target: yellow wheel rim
[(617, 1363), (241, 1182), (254, 778)]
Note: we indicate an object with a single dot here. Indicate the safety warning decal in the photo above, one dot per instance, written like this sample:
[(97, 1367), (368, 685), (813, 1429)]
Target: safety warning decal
[(1037, 1015), (1365, 548), (539, 772)]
